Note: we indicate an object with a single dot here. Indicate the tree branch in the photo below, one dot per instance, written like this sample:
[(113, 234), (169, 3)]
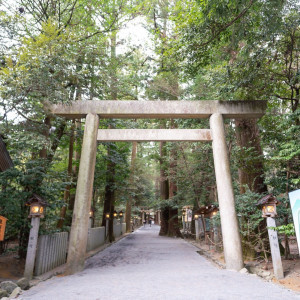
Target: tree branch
[(239, 16)]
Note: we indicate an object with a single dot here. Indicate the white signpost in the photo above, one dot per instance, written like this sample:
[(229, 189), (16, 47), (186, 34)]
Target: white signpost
[(295, 205)]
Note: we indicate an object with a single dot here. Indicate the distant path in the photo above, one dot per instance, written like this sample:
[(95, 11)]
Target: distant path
[(146, 266)]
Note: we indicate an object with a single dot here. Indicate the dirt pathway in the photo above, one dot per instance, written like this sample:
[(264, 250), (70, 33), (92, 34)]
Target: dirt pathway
[(146, 266)]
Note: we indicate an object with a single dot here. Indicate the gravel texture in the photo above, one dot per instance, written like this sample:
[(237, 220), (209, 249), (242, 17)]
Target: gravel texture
[(145, 265)]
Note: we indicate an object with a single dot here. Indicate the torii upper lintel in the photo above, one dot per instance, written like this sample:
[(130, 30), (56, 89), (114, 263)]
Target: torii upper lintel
[(161, 109)]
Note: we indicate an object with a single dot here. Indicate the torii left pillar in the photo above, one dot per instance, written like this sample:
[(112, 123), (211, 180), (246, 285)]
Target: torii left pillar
[(84, 191)]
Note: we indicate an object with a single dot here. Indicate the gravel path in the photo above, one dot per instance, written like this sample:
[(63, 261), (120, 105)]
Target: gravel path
[(146, 266)]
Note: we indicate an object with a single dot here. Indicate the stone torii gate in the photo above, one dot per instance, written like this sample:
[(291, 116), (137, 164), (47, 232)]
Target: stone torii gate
[(215, 110)]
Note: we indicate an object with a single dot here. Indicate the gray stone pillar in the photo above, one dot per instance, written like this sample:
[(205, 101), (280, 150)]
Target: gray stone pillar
[(275, 251), (230, 229), (90, 222), (121, 222), (106, 228), (32, 245), (80, 221), (197, 229)]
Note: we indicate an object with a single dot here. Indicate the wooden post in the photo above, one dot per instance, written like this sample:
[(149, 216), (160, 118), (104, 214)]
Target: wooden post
[(216, 235), (31, 250), (2, 227), (84, 190), (275, 251), (197, 229)]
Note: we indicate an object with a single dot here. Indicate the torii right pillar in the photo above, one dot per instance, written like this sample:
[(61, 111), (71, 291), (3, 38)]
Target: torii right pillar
[(230, 229)]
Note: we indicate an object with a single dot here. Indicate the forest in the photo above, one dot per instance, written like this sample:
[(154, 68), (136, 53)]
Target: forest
[(58, 51)]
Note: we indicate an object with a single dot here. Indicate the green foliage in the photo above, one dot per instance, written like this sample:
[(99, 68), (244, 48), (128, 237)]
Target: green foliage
[(252, 225), (288, 229), (19, 184)]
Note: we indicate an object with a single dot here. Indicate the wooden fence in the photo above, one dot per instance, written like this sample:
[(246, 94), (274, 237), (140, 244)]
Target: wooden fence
[(52, 249), (123, 228), (96, 238), (51, 252)]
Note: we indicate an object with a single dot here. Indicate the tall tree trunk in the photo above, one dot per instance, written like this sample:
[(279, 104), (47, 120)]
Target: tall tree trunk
[(109, 198), (68, 187), (164, 191), (77, 154), (173, 226), (129, 201), (251, 172), (47, 124)]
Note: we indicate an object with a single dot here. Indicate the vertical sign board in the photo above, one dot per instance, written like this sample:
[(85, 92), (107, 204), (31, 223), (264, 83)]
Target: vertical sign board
[(295, 205), (2, 227)]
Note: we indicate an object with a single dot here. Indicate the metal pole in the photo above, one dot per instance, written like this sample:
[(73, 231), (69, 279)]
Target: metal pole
[(32, 245)]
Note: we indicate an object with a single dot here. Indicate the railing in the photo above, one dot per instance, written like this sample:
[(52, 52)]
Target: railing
[(51, 252)]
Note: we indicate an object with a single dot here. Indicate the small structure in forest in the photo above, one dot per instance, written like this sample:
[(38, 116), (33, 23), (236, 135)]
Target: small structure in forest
[(2, 227), (206, 213), (5, 163), (5, 159), (187, 214), (37, 206), (208, 210), (268, 204)]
